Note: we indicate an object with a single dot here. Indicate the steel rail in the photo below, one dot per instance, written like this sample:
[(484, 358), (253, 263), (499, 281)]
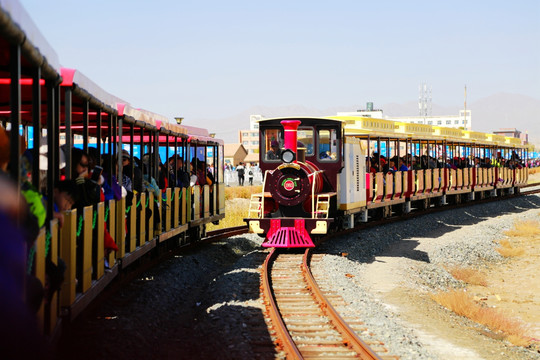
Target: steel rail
[(283, 335), (219, 234), (352, 339), (530, 185)]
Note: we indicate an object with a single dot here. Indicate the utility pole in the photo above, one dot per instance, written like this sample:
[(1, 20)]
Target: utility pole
[(465, 106)]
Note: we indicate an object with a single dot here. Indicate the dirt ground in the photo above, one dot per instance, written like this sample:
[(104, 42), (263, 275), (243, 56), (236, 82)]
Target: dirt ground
[(513, 287)]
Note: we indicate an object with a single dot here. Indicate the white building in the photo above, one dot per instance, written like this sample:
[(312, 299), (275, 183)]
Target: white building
[(463, 120)]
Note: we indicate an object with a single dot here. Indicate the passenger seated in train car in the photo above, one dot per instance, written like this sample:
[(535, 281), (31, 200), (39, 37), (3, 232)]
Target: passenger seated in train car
[(127, 171), (415, 163), (374, 166), (193, 180), (20, 337), (392, 165), (182, 178), (64, 198), (275, 151), (163, 176), (401, 165), (89, 191), (111, 190), (149, 183)]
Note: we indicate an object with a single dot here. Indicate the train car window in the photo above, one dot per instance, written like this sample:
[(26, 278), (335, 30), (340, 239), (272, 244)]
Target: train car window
[(305, 140), (273, 144), (328, 147)]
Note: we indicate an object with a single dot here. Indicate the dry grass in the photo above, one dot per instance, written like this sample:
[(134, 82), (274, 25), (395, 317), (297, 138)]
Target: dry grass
[(462, 304), (468, 275), (235, 211), (524, 232), (241, 192), (507, 250), (526, 229)]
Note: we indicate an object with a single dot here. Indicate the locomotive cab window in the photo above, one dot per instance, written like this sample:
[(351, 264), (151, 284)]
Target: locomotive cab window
[(305, 140), (273, 144), (328, 145)]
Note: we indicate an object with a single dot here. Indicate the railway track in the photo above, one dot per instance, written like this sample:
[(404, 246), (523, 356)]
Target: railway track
[(532, 191), (304, 322)]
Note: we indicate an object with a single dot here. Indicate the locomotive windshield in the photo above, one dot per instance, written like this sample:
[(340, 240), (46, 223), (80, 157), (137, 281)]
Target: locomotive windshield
[(328, 148), (273, 143), (305, 140)]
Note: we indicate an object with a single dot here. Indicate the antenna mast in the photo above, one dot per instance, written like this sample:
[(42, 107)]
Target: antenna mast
[(465, 108)]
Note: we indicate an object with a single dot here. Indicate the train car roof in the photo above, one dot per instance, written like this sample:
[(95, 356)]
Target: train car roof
[(17, 27), (363, 126), (315, 118)]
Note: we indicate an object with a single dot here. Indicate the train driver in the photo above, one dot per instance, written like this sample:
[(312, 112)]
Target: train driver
[(275, 152)]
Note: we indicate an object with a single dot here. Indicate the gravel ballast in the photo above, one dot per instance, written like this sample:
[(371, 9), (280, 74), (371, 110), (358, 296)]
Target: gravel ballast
[(205, 304)]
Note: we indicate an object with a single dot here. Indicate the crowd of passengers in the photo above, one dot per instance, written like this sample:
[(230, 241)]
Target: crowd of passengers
[(379, 163), (23, 213)]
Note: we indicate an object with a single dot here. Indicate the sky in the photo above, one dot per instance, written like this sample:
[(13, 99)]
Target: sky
[(214, 59)]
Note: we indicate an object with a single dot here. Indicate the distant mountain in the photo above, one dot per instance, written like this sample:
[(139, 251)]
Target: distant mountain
[(488, 114), (508, 111)]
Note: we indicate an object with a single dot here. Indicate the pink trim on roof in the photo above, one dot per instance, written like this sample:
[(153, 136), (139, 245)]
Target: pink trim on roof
[(120, 107), (67, 76)]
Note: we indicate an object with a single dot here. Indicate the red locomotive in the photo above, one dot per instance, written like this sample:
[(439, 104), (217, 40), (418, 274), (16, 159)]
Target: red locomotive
[(299, 182)]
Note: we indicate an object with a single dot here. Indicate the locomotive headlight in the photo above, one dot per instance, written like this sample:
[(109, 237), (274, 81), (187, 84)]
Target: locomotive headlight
[(288, 156)]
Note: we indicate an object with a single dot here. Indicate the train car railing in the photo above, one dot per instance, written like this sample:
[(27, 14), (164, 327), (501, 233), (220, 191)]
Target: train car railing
[(459, 179), (84, 249), (473, 177), (418, 182), (378, 187), (110, 220), (39, 269), (54, 303), (467, 178), (437, 179), (452, 179), (196, 201), (214, 199), (68, 247), (428, 181), (491, 176), (388, 186), (166, 211), (98, 248), (183, 205), (408, 183), (141, 219), (131, 220), (370, 189), (398, 184), (177, 193), (480, 178), (205, 210), (120, 216), (152, 208)]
